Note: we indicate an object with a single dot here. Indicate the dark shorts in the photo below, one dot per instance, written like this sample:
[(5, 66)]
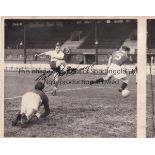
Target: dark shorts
[(54, 68)]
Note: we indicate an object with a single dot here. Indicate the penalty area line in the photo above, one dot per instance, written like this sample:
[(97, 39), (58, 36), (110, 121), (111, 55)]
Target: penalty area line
[(62, 90)]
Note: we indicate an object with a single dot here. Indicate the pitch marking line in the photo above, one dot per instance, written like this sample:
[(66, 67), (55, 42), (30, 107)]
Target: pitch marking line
[(15, 97), (63, 90)]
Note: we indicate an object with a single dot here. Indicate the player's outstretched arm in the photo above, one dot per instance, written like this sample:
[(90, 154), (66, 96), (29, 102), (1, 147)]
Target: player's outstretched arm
[(44, 53), (46, 112), (46, 107), (40, 54)]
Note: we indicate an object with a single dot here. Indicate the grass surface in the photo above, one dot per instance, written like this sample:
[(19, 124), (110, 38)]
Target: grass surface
[(78, 110)]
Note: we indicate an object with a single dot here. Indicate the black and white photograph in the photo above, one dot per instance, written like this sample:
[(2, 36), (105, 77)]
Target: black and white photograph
[(150, 79), (72, 78)]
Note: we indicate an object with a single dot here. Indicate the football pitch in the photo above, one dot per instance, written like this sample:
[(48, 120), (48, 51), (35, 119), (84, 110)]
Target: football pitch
[(78, 110)]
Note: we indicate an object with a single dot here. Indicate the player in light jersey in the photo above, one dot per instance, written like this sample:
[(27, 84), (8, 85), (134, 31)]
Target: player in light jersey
[(115, 61), (30, 104), (57, 63)]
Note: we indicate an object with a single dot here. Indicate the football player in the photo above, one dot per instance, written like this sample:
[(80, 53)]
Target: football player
[(116, 60), (30, 104), (57, 63)]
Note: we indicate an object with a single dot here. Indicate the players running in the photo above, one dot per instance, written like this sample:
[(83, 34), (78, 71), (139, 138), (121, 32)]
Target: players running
[(116, 60)]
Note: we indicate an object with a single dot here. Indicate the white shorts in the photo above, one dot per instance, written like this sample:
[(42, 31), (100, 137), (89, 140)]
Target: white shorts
[(30, 102), (117, 71)]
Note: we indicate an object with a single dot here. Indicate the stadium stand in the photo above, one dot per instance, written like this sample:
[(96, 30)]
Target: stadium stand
[(41, 38), (79, 36), (109, 36)]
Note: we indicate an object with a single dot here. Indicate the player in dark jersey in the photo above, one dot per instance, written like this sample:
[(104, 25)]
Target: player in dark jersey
[(115, 62), (119, 57), (30, 104)]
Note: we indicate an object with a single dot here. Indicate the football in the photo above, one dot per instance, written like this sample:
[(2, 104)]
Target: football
[(125, 93)]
